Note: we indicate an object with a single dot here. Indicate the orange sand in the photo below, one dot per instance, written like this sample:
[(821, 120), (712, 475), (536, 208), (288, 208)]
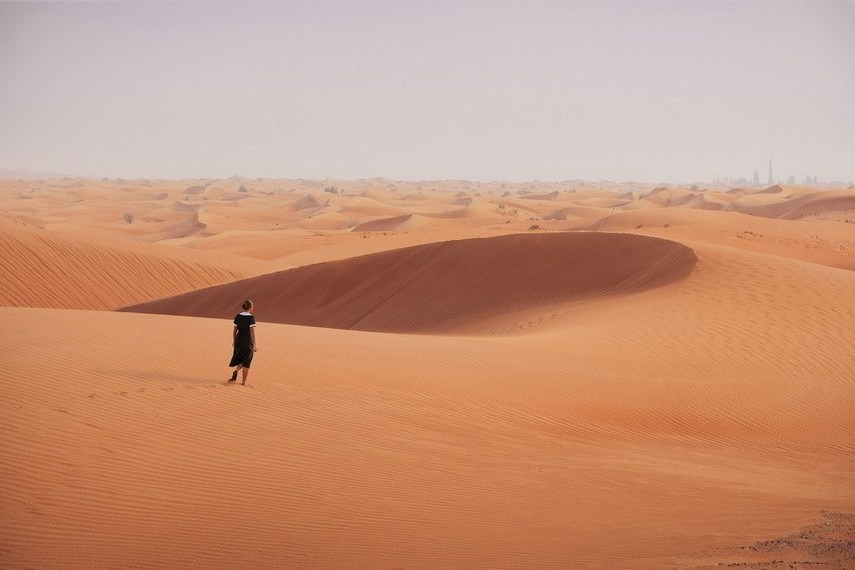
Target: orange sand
[(560, 375)]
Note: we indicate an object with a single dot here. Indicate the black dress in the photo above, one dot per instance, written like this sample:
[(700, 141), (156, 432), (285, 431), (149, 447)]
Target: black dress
[(243, 341)]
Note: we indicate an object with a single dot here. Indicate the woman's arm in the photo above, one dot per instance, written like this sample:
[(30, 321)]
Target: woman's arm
[(252, 334)]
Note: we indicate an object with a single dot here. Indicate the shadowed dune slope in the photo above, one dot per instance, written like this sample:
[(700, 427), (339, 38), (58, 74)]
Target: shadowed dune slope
[(446, 286), (46, 269)]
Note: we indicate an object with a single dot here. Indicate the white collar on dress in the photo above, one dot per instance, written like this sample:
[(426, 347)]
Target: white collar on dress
[(245, 313)]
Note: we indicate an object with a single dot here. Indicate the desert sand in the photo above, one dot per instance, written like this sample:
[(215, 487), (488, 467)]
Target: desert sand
[(450, 374)]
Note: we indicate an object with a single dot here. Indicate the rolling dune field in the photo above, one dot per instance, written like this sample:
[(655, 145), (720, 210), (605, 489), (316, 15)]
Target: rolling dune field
[(449, 374)]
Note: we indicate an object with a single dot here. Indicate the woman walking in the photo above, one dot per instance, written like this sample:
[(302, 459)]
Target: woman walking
[(243, 339)]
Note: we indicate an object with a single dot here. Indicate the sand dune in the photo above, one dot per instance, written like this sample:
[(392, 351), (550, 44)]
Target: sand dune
[(179, 206), (670, 197), (840, 203), (643, 432), (194, 225), (547, 196), (823, 242), (400, 291), (308, 202), (47, 269), (774, 189), (384, 224), (418, 197), (675, 395), (602, 202)]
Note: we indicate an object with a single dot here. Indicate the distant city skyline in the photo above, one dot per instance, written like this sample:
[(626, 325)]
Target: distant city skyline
[(790, 179), (652, 92)]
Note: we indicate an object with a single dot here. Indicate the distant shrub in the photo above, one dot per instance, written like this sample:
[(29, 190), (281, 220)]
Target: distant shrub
[(533, 227), (129, 217), (331, 190), (242, 189), (558, 215)]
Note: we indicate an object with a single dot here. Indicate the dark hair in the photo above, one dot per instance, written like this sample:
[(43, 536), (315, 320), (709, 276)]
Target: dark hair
[(247, 305)]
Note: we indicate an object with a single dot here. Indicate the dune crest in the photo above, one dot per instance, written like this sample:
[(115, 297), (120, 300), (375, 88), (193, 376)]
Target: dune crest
[(827, 203), (446, 286), (384, 224), (45, 269)]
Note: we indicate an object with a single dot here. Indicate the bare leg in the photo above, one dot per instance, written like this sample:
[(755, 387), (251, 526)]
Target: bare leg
[(245, 374), (235, 373)]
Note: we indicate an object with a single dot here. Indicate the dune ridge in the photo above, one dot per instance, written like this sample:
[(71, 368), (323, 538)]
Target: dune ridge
[(841, 202), (384, 224), (40, 268), (446, 286)]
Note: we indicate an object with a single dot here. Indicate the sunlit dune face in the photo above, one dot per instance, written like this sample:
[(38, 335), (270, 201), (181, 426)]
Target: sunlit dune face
[(521, 376)]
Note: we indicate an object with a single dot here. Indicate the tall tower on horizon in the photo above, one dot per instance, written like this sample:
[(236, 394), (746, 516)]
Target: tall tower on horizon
[(770, 172)]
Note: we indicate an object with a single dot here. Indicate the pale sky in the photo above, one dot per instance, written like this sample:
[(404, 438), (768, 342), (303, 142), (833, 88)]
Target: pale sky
[(644, 91)]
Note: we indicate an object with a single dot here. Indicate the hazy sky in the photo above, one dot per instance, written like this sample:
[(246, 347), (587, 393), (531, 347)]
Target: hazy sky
[(644, 91)]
